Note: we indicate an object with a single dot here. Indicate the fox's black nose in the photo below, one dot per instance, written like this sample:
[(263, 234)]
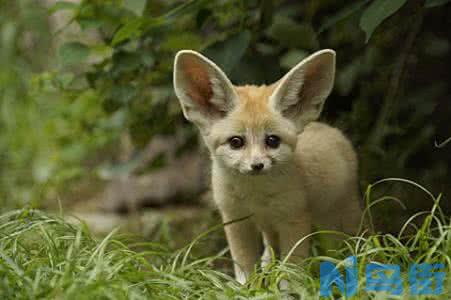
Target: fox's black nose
[(257, 167)]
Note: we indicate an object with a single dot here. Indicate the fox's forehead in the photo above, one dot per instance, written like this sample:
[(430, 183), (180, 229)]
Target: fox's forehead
[(254, 116), (253, 109), (252, 93)]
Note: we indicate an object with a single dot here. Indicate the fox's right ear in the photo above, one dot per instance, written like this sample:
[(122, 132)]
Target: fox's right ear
[(204, 91), (301, 93)]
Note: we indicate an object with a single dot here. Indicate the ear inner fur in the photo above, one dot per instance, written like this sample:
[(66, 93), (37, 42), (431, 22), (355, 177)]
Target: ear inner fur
[(204, 90), (199, 86), (301, 93), (307, 95)]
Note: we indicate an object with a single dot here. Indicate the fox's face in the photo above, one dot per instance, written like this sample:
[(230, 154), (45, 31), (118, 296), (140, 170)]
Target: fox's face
[(252, 129), (252, 138)]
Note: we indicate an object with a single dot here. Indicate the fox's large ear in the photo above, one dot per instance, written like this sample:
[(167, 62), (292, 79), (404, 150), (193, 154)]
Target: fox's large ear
[(204, 91), (301, 93)]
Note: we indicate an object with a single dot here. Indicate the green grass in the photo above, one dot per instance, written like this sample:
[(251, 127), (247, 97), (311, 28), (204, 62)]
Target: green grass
[(42, 256)]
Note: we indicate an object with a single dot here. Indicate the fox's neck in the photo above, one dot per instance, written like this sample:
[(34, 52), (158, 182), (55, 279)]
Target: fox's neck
[(257, 194)]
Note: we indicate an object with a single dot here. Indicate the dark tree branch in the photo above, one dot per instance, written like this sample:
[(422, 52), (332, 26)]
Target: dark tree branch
[(380, 127)]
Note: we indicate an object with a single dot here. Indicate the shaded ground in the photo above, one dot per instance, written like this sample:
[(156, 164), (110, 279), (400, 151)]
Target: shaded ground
[(174, 226)]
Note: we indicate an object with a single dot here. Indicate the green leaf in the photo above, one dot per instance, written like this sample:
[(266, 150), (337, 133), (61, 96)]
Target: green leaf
[(434, 3), (123, 93), (342, 14), (72, 53), (100, 52), (186, 8), (229, 52), (347, 77), (62, 5), (292, 58), (137, 26), (136, 6), (131, 29), (376, 13), (182, 40), (86, 23), (436, 46), (292, 34), (65, 79), (124, 62), (266, 13)]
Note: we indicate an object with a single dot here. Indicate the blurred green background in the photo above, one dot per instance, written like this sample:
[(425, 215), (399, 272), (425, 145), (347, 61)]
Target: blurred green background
[(86, 86)]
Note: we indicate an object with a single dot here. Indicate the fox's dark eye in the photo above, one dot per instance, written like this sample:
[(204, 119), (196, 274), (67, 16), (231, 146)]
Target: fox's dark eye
[(236, 142), (272, 141)]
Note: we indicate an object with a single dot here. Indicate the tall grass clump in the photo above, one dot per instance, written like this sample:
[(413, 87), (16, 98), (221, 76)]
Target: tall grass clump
[(43, 256)]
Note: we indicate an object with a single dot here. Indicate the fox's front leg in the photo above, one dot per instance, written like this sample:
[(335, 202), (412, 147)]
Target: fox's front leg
[(245, 246), (271, 243), (291, 233)]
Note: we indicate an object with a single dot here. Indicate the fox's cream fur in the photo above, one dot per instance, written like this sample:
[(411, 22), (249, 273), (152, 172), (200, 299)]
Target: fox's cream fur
[(271, 160)]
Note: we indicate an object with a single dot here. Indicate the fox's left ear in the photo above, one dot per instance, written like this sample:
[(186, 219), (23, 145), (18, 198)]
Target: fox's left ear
[(204, 91), (301, 93)]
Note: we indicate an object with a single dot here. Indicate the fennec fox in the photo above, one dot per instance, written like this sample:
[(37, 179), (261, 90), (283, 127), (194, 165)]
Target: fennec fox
[(271, 161)]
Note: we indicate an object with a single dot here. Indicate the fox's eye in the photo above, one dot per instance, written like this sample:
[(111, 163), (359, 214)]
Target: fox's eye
[(272, 141), (236, 142)]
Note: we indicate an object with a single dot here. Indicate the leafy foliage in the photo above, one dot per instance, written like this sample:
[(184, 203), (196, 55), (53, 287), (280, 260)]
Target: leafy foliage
[(114, 78), (376, 12), (73, 53), (48, 130)]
